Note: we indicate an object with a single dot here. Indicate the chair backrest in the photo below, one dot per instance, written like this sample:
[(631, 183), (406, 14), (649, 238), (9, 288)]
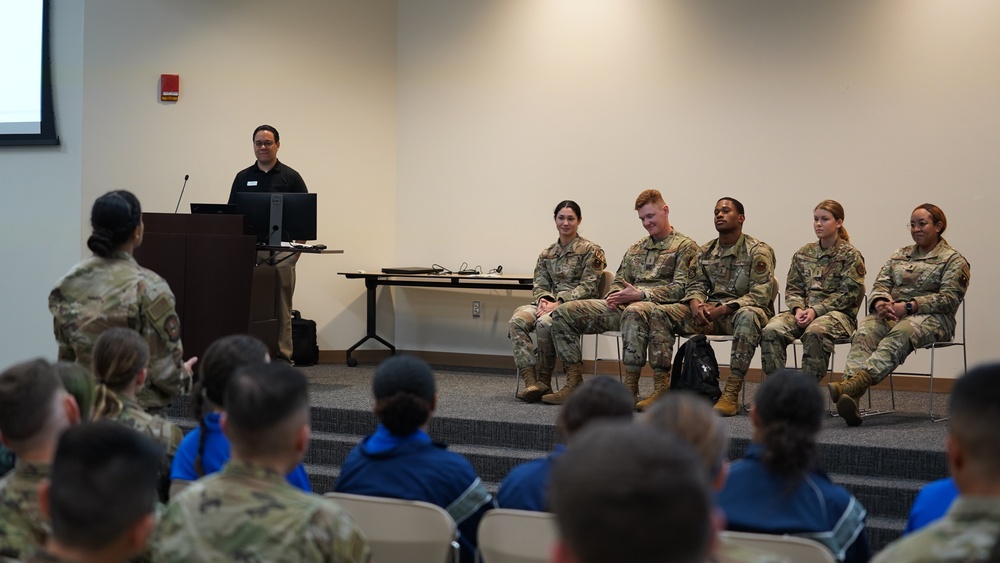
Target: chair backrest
[(795, 549), (403, 531), (517, 536), (607, 278)]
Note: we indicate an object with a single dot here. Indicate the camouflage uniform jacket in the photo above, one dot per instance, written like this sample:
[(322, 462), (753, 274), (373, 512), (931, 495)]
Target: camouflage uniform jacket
[(741, 275), (827, 281), (22, 525), (567, 273), (250, 513), (156, 427), (99, 293), (659, 268), (937, 281), (966, 533)]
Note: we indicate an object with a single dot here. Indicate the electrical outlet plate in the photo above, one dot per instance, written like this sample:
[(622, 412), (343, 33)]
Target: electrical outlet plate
[(476, 310)]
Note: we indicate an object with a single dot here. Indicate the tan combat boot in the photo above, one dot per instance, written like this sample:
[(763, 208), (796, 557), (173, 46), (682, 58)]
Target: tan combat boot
[(533, 388), (851, 391), (661, 384), (729, 403), (632, 383), (574, 377)]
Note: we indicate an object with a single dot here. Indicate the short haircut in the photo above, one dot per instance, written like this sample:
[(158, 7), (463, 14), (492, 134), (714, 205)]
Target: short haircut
[(602, 397), (649, 196), (975, 414), (27, 393), (626, 492), (404, 391), (261, 401), (691, 417), (790, 410), (104, 479), (272, 130), (736, 203)]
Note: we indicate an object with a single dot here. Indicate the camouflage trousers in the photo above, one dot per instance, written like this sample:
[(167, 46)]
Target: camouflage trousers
[(744, 325), (880, 346), (817, 342), (592, 316), (521, 325)]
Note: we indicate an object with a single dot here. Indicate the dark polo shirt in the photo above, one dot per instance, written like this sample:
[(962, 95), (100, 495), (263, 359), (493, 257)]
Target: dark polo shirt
[(281, 179)]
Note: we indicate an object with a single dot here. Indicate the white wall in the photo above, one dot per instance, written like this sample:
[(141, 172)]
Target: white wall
[(444, 131), (40, 214), (507, 106)]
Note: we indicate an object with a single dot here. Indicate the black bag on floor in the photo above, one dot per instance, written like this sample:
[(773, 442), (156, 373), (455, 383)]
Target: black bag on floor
[(696, 369), (305, 352)]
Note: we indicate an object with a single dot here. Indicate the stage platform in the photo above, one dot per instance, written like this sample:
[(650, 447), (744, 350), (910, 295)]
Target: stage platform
[(883, 462)]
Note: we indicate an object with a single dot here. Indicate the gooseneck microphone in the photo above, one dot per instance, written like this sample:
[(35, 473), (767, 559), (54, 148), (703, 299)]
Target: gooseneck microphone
[(178, 206)]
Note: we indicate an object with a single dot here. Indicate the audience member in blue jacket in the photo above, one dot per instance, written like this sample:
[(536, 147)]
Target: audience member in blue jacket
[(602, 397), (400, 461), (778, 488), (205, 450), (932, 502)]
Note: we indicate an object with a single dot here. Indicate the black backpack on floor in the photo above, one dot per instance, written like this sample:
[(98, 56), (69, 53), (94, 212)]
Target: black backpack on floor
[(305, 352), (696, 369)]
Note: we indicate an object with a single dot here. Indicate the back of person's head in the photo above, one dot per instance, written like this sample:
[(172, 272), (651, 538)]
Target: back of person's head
[(266, 406), (80, 383), (120, 354), (404, 392), (691, 418), (103, 484), (788, 412), (215, 367), (114, 217), (598, 398), (975, 417), (30, 394), (626, 492)]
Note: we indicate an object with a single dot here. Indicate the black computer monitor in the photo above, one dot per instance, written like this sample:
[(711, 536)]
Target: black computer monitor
[(276, 217)]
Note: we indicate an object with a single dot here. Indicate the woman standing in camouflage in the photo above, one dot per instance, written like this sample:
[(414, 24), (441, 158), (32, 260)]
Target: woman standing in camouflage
[(913, 303), (570, 269), (110, 289), (824, 288)]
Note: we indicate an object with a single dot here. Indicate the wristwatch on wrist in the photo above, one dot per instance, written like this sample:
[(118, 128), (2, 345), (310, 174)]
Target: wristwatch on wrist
[(909, 307)]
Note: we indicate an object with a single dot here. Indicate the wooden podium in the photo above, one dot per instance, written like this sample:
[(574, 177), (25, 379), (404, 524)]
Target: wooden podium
[(208, 261)]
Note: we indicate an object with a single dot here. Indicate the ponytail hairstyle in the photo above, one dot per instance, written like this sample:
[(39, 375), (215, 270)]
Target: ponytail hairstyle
[(216, 366), (789, 410), (120, 355), (404, 392), (837, 211), (113, 218)]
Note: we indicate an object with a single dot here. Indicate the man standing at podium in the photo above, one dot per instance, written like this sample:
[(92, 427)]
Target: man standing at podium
[(267, 175)]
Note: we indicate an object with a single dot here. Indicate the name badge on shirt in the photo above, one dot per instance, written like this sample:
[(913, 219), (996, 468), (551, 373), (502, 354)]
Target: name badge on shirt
[(251, 182)]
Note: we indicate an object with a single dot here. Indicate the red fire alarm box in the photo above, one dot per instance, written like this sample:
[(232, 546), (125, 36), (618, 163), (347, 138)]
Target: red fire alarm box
[(169, 87)]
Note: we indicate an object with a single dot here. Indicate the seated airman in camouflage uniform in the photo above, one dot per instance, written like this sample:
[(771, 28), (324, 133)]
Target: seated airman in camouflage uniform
[(971, 527), (568, 270), (120, 359), (913, 303), (110, 289), (653, 271), (102, 498), (824, 288), (34, 412), (731, 290), (248, 511)]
